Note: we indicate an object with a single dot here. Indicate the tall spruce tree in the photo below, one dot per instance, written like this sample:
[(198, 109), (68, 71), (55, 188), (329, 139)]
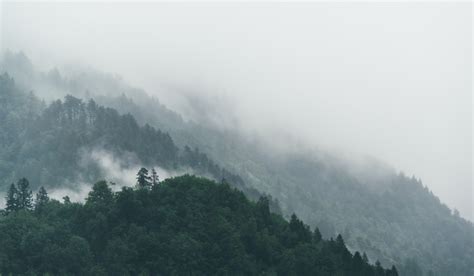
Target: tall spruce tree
[(357, 264), (143, 179), (25, 196), (12, 199)]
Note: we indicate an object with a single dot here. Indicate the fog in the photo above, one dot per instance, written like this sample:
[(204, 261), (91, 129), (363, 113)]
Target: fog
[(118, 170), (121, 170), (390, 80)]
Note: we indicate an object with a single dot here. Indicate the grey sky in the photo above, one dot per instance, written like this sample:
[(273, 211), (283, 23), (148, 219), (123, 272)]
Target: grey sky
[(392, 80)]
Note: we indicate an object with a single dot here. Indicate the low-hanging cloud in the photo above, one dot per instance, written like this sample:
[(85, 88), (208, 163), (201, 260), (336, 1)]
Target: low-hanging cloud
[(353, 77), (121, 169), (118, 169)]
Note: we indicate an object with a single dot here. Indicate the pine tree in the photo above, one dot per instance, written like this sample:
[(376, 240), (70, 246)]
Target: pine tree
[(357, 264), (41, 198), (317, 237), (143, 180), (12, 199), (154, 177), (340, 241), (101, 194), (365, 258), (66, 200), (25, 196)]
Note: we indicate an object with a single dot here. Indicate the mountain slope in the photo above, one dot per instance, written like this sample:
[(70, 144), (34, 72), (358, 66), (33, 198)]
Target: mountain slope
[(392, 217), (53, 143)]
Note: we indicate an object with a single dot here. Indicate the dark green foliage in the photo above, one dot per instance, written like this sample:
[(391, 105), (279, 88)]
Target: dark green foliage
[(317, 235), (19, 197), (66, 200), (24, 195), (42, 198), (143, 179), (101, 194), (358, 264), (185, 226)]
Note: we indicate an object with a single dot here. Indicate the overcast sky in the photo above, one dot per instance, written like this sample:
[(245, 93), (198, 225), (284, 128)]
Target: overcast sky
[(392, 80)]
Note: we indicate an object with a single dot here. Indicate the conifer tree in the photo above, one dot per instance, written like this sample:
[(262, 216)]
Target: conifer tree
[(154, 177), (12, 199), (101, 194), (143, 179), (25, 196), (340, 241), (66, 200), (263, 208), (317, 237), (365, 258), (357, 264), (41, 198)]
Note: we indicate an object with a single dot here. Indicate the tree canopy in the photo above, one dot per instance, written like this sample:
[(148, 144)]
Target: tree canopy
[(185, 225)]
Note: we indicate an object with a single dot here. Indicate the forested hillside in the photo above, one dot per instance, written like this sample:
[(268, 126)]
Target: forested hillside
[(392, 217), (181, 226), (48, 142)]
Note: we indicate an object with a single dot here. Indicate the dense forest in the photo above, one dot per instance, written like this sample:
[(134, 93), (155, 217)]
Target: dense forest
[(181, 226), (391, 217), (46, 142)]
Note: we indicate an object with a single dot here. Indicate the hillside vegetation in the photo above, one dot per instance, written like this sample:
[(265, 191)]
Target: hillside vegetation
[(392, 217), (181, 226)]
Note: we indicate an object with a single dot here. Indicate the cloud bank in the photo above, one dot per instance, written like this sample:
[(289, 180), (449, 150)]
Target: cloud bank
[(353, 77)]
